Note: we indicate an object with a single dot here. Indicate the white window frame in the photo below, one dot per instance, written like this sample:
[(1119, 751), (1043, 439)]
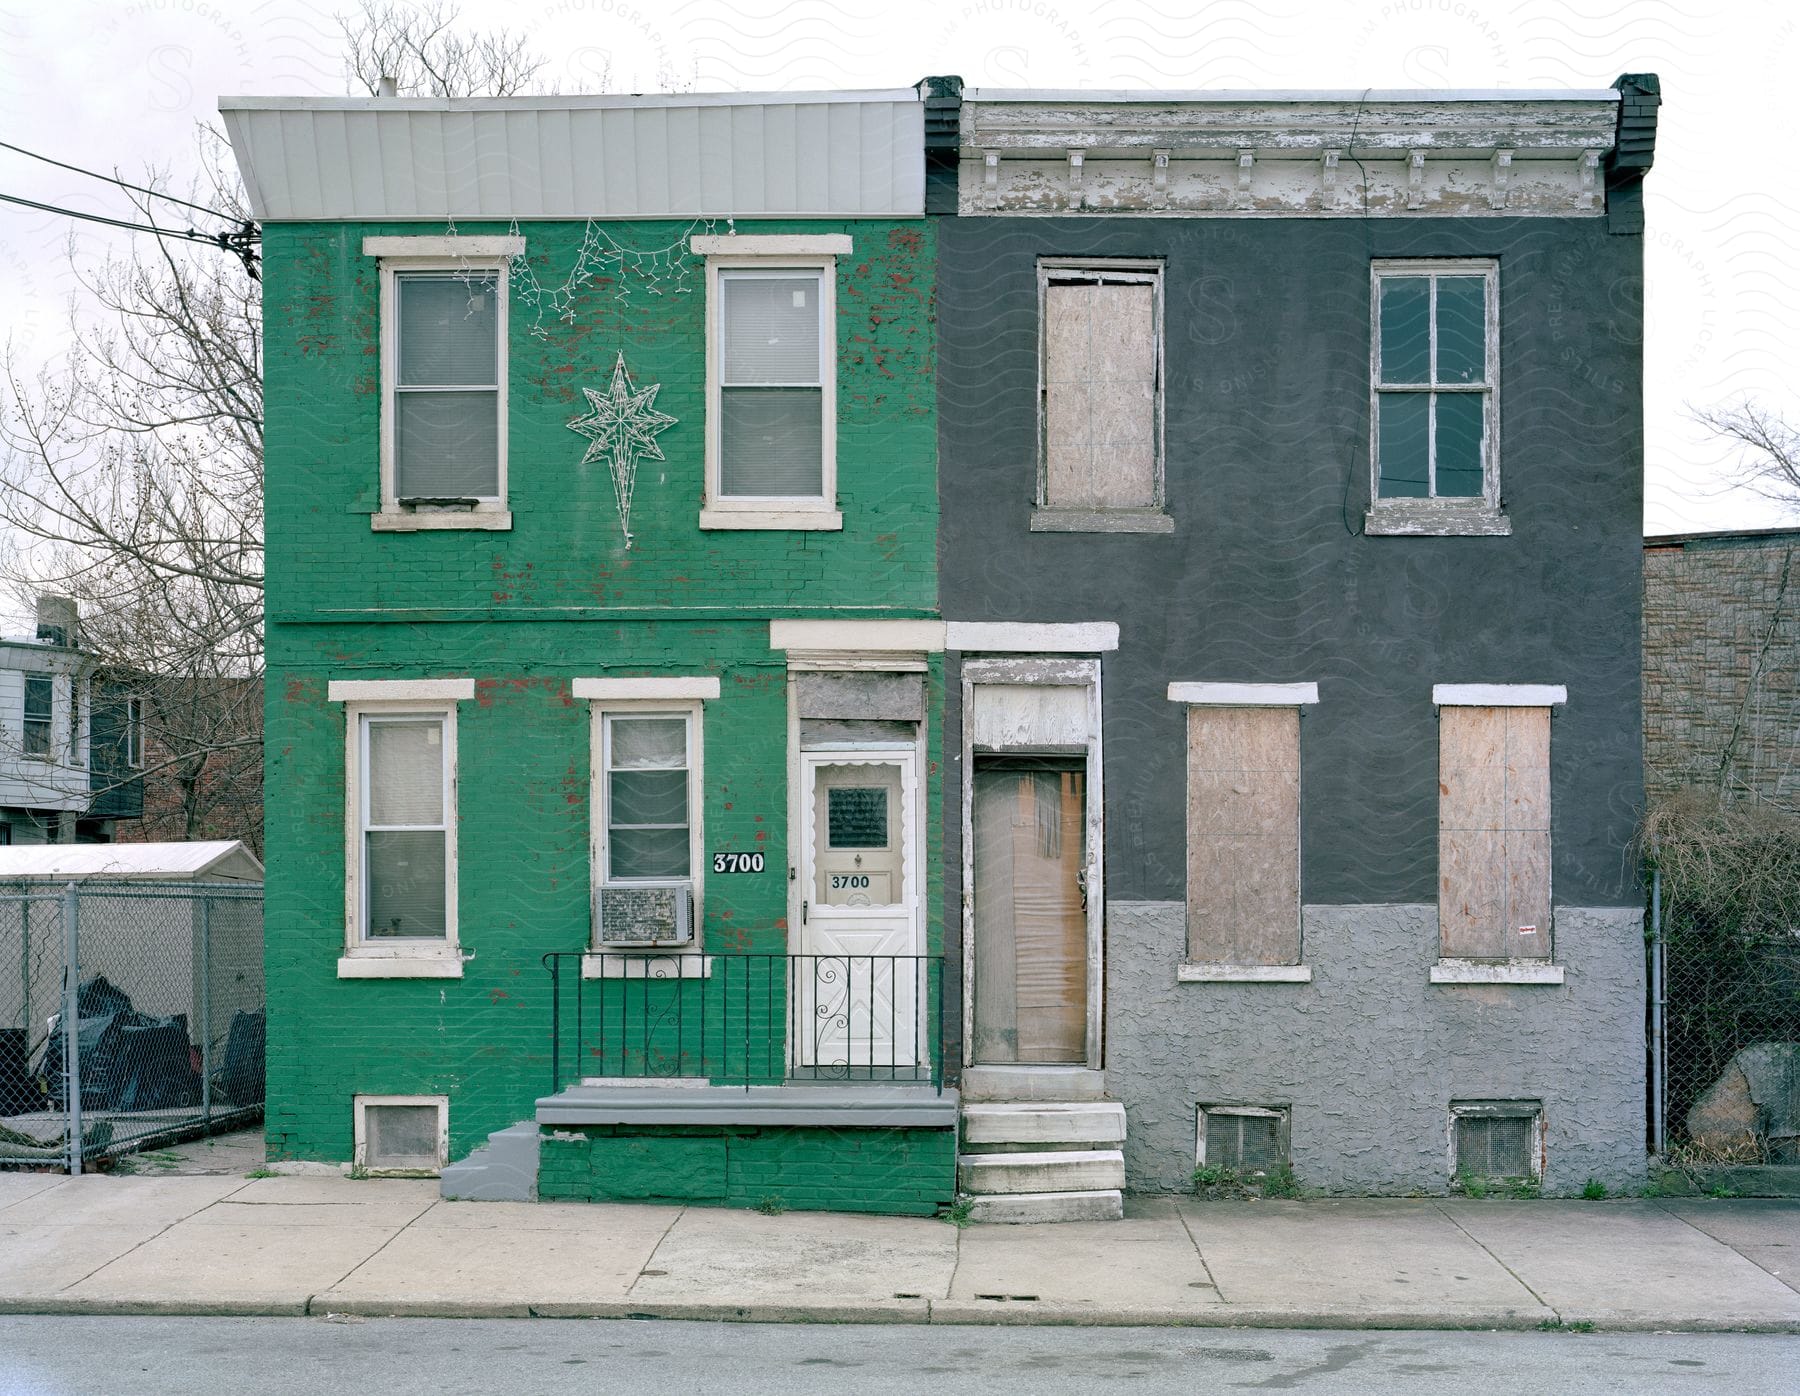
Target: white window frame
[(47, 756), (360, 1135), (773, 255), (1047, 516), (400, 256), (134, 733), (1508, 1109), (433, 958), (1473, 515), (647, 697)]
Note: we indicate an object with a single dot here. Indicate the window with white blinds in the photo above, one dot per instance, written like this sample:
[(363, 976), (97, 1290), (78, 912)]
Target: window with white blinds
[(447, 389), (406, 806), (648, 780), (772, 369)]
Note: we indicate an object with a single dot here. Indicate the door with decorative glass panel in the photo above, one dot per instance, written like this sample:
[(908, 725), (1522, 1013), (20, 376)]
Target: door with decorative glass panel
[(860, 978)]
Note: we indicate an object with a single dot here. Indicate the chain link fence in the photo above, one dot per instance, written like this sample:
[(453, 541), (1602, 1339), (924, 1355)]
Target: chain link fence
[(1725, 1028), (131, 1016)]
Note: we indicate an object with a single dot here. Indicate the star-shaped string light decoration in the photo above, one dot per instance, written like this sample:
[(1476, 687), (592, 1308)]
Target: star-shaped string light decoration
[(622, 426)]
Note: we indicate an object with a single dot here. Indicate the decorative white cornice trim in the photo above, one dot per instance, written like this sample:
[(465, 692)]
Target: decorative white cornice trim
[(1030, 637), (857, 635), (772, 245), (1244, 695), (501, 246), (1498, 695), (399, 690), (672, 688)]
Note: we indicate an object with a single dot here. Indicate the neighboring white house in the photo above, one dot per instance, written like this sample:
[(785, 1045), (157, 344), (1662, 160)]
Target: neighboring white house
[(50, 789)]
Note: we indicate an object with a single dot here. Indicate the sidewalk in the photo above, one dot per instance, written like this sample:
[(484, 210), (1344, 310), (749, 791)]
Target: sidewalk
[(320, 1245)]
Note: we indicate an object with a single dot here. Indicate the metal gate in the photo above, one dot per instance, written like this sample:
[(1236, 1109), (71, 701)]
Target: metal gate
[(131, 1016)]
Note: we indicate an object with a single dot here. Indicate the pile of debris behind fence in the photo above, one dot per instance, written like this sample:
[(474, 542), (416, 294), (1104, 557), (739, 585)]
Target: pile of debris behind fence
[(131, 1016)]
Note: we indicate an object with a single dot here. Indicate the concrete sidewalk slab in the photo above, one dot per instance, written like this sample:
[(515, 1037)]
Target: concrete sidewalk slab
[(16, 1187), (456, 1261), (845, 1261), (195, 1269), (37, 1262), (1394, 1259), (92, 1200), (1143, 1265), (1625, 1263), (1766, 1232), (381, 1202)]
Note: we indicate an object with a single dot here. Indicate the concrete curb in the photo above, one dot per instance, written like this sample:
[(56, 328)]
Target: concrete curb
[(948, 1312)]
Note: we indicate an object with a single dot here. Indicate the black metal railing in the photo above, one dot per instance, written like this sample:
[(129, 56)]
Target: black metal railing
[(745, 1019)]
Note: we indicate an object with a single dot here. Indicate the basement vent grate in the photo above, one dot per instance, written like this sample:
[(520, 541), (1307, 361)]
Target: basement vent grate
[(400, 1136), (1247, 1139)]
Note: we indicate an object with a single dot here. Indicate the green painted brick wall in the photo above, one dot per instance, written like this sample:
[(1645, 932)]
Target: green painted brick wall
[(905, 1171), (524, 612)]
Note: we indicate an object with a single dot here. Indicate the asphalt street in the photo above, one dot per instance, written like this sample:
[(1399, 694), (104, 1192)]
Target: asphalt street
[(74, 1356)]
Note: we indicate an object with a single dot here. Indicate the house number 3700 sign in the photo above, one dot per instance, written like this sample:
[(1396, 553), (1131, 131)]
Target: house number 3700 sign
[(737, 862)]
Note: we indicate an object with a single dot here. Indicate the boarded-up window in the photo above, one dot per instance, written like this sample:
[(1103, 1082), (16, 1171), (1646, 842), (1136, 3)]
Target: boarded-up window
[(1494, 833), (1102, 384), (1244, 836)]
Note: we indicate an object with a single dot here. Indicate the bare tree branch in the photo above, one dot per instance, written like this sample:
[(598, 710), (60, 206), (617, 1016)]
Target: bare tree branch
[(1768, 449)]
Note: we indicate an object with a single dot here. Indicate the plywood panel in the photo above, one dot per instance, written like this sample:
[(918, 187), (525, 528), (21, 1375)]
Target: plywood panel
[(1494, 833), (1100, 395), (1013, 717), (1244, 835)]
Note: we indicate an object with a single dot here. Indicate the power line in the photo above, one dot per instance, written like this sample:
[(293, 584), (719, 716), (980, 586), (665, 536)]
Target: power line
[(240, 244), (111, 179)]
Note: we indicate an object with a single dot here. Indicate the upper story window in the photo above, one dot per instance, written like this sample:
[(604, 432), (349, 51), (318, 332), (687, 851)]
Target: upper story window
[(443, 374), (771, 412), (134, 733), (1435, 412), (1100, 406), (40, 698)]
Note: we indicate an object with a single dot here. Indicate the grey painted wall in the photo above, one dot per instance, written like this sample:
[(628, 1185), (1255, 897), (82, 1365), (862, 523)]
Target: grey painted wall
[(1264, 579), (1370, 1054)]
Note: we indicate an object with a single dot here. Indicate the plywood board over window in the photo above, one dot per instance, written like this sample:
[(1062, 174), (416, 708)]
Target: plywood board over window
[(1494, 832), (1101, 414), (1244, 835)]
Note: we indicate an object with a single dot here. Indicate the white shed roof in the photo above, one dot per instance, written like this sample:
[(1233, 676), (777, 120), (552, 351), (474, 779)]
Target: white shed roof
[(218, 860), (744, 155)]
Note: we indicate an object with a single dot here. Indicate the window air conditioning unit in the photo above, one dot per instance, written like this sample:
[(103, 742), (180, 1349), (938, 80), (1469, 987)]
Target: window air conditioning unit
[(651, 915)]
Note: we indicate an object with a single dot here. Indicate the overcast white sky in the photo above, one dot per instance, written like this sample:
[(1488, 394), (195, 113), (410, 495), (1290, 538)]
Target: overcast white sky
[(121, 85)]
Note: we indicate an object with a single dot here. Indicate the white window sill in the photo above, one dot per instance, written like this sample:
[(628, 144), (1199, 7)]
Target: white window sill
[(1101, 521), (1436, 518), (445, 963), (1496, 972), (1188, 973), (645, 964), (815, 520), (415, 521)]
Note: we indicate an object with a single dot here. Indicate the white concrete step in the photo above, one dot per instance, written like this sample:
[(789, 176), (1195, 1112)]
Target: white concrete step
[(1064, 1170), (1078, 1123), (1031, 1207), (1032, 1083)]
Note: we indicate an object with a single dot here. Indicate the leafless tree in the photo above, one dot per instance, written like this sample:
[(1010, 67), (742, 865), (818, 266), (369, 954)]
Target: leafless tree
[(1768, 449), (131, 472)]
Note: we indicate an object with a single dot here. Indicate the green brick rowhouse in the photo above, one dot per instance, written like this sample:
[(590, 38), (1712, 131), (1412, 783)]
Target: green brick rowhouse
[(643, 824)]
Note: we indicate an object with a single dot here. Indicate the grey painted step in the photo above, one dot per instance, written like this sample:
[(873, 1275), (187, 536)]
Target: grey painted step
[(504, 1169), (1032, 1207), (1065, 1170), (1062, 1083), (1087, 1123)]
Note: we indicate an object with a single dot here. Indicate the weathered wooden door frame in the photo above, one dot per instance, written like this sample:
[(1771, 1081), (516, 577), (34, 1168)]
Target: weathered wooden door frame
[(1057, 672)]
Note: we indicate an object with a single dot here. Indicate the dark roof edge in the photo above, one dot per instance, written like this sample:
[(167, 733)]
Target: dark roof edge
[(1633, 152), (1681, 540)]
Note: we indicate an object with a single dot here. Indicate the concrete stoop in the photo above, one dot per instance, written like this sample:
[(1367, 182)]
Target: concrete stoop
[(1043, 1161), (505, 1169)]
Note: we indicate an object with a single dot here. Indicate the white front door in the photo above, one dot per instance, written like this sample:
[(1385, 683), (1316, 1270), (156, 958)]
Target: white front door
[(858, 978)]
